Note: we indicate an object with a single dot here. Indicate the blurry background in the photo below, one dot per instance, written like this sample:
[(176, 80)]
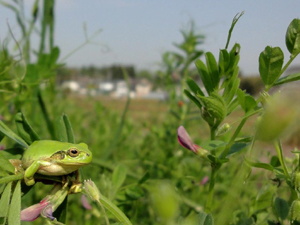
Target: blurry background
[(137, 32), (117, 68)]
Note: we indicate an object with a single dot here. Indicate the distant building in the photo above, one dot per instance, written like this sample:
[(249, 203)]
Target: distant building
[(106, 87), (71, 85), (143, 88)]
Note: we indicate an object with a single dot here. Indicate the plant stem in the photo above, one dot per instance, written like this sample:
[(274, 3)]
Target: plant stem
[(287, 64), (211, 189), (114, 210), (212, 133), (11, 178), (231, 142), (278, 148)]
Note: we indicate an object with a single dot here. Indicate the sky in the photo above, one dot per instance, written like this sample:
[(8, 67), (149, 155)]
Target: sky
[(138, 32)]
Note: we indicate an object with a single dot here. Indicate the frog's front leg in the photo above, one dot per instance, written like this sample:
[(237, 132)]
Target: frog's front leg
[(31, 170)]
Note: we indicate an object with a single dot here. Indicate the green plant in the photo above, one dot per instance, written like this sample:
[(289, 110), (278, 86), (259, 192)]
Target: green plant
[(222, 85)]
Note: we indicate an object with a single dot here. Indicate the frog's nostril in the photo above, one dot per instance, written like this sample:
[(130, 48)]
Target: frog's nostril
[(87, 154)]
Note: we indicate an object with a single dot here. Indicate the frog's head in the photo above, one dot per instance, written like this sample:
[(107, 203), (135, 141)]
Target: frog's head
[(74, 154)]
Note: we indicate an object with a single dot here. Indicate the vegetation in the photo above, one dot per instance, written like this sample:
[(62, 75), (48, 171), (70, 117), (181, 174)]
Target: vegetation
[(235, 172)]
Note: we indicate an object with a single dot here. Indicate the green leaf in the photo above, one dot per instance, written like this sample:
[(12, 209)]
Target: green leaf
[(275, 161), (231, 86), (9, 133), (13, 153), (205, 77), (2, 186), (244, 220), (209, 220), (6, 165), (194, 87), (287, 79), (232, 106), (234, 55), (264, 198), (224, 60), (292, 37), (134, 193), (259, 164), (193, 99), (119, 176), (54, 56), (144, 178), (270, 64), (213, 145), (236, 147), (201, 218), (46, 115), (61, 133), (14, 214), (64, 131), (69, 129), (1, 136), (212, 69), (246, 101), (4, 201), (282, 208), (25, 130), (3, 174)]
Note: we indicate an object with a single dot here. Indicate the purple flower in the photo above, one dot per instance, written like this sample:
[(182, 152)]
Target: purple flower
[(32, 213), (47, 212), (85, 202), (185, 140)]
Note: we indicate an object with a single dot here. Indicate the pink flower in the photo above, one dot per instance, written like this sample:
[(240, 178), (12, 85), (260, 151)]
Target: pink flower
[(32, 213), (185, 140), (85, 202), (204, 180)]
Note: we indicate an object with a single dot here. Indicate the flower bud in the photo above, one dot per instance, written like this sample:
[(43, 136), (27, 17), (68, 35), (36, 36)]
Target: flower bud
[(214, 109), (223, 129), (91, 190), (186, 142)]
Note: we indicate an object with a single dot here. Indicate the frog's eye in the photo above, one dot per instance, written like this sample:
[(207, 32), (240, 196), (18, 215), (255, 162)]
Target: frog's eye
[(73, 152)]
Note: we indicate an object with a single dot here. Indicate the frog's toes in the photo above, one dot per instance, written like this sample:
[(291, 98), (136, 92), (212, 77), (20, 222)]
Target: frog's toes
[(75, 188), (29, 181)]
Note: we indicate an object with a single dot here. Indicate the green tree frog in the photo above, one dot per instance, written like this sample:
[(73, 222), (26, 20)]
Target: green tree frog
[(54, 158)]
